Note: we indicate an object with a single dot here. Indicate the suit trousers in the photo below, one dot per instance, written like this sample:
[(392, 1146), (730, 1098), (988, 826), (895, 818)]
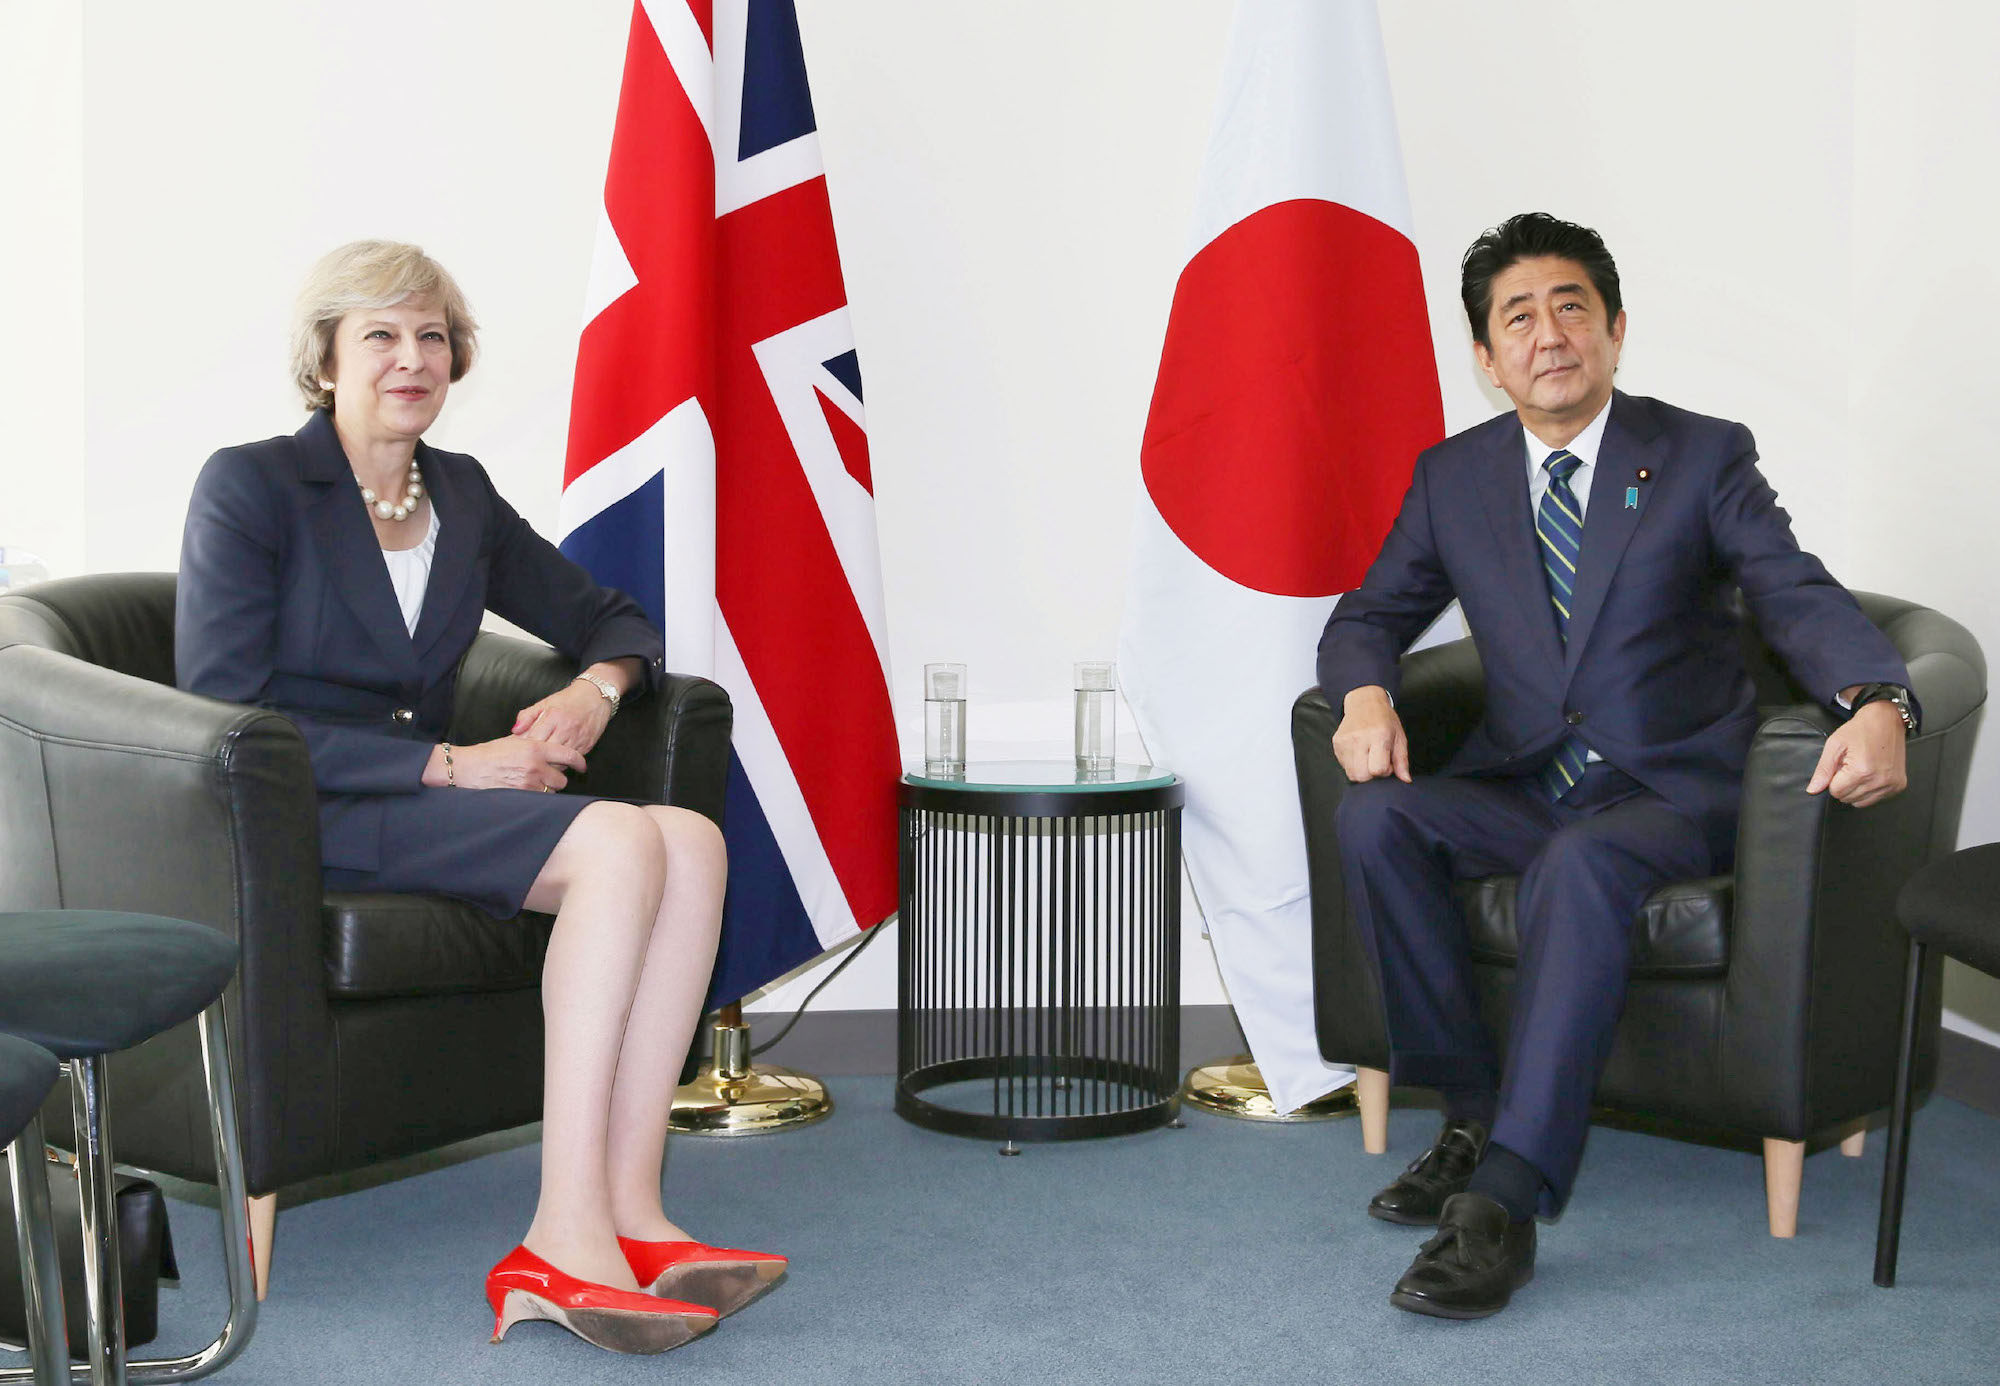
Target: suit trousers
[(1586, 864)]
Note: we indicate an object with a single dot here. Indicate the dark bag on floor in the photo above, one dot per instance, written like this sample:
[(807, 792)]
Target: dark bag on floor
[(145, 1256)]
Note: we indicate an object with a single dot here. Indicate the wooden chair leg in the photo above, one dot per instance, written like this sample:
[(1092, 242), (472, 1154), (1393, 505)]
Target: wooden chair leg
[(1854, 1143), (1784, 1172), (263, 1227), (1371, 1093)]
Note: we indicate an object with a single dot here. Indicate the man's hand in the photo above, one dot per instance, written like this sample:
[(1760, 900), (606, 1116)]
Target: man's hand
[(1863, 760), (1370, 743)]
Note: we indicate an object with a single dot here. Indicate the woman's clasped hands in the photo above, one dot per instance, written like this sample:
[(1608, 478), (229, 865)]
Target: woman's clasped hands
[(548, 742), (506, 762)]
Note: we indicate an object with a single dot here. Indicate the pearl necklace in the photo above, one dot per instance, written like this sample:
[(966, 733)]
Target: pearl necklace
[(402, 509)]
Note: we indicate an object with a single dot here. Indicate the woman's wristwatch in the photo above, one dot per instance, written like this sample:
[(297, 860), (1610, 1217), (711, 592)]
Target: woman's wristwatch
[(611, 694), (1887, 693)]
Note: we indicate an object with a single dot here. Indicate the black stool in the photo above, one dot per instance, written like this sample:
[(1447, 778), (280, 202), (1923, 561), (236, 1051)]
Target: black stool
[(1952, 905), (84, 984), (27, 1074)]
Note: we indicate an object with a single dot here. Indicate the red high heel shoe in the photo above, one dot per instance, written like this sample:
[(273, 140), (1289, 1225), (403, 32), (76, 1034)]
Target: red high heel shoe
[(524, 1286), (714, 1275)]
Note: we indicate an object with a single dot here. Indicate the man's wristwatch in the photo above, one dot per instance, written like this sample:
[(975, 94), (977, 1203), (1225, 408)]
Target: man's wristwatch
[(611, 694), (1887, 693)]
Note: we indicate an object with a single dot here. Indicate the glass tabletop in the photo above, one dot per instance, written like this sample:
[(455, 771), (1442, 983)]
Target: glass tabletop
[(1049, 776)]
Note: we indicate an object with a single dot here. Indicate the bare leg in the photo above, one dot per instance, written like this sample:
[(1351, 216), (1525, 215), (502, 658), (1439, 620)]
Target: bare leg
[(672, 983), (603, 882)]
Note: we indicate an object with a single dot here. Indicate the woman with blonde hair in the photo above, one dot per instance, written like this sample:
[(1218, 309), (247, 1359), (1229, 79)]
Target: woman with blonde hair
[(337, 575)]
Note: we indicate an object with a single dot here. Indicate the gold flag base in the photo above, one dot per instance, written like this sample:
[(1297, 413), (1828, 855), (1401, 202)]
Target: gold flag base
[(1235, 1088), (730, 1096)]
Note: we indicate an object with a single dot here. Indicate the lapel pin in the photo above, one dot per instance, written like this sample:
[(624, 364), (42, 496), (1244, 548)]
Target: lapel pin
[(1645, 474), (1632, 496)]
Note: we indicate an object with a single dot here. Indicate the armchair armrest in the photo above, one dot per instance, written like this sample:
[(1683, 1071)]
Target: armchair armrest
[(1347, 1011), (1780, 851), (124, 794), (1442, 699), (667, 747), (1815, 951)]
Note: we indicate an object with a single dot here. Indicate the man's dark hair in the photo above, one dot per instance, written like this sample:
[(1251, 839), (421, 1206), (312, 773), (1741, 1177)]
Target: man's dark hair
[(1526, 237)]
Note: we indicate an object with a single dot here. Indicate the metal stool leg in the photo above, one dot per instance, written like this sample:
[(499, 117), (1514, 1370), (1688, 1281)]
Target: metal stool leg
[(1889, 1230), (231, 1192), (41, 1275), (103, 1287)]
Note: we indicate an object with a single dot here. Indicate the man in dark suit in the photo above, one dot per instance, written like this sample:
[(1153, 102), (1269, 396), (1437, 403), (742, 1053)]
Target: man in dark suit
[(1591, 539)]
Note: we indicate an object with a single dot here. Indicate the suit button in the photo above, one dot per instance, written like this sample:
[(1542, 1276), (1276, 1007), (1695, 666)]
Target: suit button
[(403, 714), (1575, 719)]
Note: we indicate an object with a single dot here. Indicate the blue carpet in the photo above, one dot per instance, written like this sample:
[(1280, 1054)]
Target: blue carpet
[(1228, 1250)]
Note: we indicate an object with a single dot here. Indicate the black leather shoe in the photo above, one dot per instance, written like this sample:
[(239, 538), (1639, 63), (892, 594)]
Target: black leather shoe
[(1418, 1195), (1473, 1265)]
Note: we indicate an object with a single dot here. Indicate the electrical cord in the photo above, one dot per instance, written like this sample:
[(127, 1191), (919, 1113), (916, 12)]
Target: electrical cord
[(840, 967)]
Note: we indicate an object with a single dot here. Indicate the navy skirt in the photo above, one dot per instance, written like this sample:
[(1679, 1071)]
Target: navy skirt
[(482, 846)]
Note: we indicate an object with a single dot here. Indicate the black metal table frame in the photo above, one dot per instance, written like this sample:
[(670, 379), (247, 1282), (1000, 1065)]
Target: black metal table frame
[(1098, 1051)]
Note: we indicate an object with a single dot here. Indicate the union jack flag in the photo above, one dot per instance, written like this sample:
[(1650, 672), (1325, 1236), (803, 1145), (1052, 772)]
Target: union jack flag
[(718, 464)]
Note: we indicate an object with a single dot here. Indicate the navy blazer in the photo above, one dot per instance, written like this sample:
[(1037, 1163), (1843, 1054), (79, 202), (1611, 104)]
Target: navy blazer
[(284, 601), (1653, 672)]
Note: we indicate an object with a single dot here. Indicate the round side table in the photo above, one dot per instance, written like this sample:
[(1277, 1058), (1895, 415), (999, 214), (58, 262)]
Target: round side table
[(1038, 979)]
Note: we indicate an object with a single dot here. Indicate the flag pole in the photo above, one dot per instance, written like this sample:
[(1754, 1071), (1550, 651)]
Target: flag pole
[(731, 1096)]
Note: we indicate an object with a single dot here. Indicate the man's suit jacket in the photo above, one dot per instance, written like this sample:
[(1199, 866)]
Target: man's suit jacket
[(284, 601), (1652, 677)]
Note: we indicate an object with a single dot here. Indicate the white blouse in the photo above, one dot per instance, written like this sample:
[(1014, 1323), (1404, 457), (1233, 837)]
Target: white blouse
[(410, 572)]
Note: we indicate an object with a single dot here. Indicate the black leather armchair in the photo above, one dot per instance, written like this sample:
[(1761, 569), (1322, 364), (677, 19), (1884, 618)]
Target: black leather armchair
[(1763, 1003), (366, 1026)]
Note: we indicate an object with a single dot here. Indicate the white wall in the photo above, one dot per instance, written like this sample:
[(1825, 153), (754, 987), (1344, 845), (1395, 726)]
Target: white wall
[(42, 366), (1796, 192), (1922, 492)]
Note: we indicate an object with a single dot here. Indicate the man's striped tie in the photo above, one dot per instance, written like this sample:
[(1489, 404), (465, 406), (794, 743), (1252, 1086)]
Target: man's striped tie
[(1559, 526)]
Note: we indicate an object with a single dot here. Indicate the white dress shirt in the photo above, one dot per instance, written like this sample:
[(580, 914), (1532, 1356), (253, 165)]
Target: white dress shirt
[(1584, 446), (410, 572)]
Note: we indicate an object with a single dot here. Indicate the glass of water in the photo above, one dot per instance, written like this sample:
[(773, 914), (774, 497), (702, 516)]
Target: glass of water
[(944, 719), (1096, 685), (19, 568)]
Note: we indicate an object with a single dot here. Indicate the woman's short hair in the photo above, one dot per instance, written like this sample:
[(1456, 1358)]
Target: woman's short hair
[(371, 274)]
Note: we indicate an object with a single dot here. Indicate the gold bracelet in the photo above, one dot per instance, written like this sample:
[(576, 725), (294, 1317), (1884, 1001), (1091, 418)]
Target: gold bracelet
[(450, 775)]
